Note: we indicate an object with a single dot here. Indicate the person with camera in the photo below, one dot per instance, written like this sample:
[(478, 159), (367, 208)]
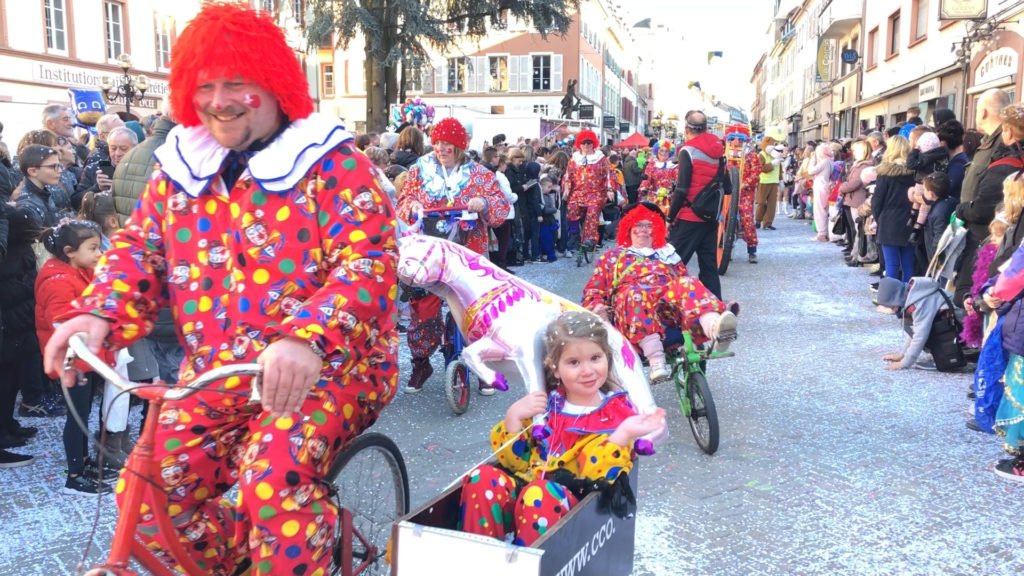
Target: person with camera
[(701, 166), (99, 170)]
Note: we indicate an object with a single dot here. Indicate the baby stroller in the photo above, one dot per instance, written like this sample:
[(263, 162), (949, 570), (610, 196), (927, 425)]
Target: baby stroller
[(943, 265)]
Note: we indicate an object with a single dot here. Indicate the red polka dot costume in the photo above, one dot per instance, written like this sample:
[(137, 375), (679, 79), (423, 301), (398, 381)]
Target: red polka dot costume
[(519, 496), (661, 178), (647, 289), (295, 238), (588, 178)]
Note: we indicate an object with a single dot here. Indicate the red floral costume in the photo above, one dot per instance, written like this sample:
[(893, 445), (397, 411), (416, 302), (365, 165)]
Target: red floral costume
[(648, 290), (516, 497), (303, 245), (657, 188), (748, 191), (426, 184), (587, 182)]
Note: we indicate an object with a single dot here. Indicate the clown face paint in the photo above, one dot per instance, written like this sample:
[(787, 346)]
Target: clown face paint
[(236, 112)]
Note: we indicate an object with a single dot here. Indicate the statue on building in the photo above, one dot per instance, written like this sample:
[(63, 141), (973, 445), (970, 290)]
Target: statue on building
[(570, 102)]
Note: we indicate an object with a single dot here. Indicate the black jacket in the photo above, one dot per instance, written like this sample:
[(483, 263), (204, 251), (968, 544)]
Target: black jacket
[(890, 204), (631, 172), (529, 202), (405, 158), (17, 283), (979, 212), (87, 181), (41, 209), (935, 225)]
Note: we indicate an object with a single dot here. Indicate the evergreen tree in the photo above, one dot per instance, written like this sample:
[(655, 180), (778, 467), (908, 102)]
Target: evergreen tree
[(395, 30)]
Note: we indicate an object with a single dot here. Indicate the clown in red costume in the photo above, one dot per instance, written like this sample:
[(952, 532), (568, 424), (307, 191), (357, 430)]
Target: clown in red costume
[(588, 185), (661, 175), (283, 250), (748, 165), (641, 286)]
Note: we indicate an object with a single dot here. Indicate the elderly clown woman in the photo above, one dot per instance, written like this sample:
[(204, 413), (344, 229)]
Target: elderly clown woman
[(268, 235), (641, 286), (661, 175)]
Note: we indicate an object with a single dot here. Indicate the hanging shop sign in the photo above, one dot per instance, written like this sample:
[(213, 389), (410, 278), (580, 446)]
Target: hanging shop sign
[(963, 9), (928, 90), (608, 122), (823, 70), (586, 111), (849, 56)]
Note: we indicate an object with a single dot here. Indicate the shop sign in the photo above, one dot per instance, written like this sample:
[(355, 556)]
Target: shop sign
[(963, 9), (623, 127), (928, 90), (849, 56), (72, 76), (586, 111), (608, 122), (997, 64), (824, 60)]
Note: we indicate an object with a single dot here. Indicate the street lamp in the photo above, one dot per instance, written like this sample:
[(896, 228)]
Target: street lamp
[(125, 88), (978, 32)]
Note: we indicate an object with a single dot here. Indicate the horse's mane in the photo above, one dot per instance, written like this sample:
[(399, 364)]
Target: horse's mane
[(478, 263)]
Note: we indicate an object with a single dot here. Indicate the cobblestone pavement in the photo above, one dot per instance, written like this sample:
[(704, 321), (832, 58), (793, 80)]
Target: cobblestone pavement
[(828, 464)]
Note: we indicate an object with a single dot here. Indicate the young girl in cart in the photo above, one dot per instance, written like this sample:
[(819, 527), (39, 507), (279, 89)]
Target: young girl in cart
[(590, 430)]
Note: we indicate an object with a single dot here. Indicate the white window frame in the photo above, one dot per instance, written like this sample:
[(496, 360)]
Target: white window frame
[(535, 76), (542, 109), (451, 66), (491, 71), (165, 26), (324, 80), (55, 33), (109, 8)]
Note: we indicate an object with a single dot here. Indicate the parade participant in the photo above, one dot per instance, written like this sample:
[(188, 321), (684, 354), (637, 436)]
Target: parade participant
[(592, 426), (588, 186), (661, 175), (768, 185), (749, 166), (267, 233), (701, 162), (447, 178), (641, 286)]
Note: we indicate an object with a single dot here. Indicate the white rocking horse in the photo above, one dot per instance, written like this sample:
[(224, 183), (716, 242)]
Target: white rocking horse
[(503, 319)]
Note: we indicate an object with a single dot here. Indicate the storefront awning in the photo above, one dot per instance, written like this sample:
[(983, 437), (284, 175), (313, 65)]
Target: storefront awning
[(997, 83), (908, 86)]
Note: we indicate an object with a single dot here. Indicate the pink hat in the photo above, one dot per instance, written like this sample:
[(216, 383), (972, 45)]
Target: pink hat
[(928, 141)]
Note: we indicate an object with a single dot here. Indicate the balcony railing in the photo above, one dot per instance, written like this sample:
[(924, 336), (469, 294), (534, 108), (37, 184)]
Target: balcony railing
[(838, 17)]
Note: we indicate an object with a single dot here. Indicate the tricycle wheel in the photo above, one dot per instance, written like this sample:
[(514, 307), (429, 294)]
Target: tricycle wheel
[(458, 380), (370, 480), (703, 417)]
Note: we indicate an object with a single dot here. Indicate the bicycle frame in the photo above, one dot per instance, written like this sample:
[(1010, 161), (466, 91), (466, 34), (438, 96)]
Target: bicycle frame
[(140, 468), (688, 359)]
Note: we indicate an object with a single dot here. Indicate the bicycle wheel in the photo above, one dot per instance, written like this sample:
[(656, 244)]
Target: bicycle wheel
[(458, 383), (703, 417), (728, 237), (372, 483)]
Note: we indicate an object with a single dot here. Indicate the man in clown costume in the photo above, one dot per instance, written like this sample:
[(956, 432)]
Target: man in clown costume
[(587, 186), (661, 173), (277, 203), (749, 166)]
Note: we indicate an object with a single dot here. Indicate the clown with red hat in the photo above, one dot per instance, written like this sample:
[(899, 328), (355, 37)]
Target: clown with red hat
[(662, 173), (641, 286), (270, 199), (588, 185), (446, 178)]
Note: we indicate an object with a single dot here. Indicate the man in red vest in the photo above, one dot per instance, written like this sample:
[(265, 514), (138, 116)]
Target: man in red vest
[(699, 160)]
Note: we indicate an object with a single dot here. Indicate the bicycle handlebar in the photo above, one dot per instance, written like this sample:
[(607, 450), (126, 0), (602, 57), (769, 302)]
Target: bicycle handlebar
[(79, 350), (462, 210)]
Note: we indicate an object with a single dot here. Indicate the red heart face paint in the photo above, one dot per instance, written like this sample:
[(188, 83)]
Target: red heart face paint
[(252, 101)]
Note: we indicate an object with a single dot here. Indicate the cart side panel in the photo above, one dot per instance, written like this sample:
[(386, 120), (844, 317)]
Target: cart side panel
[(426, 551), (590, 543)]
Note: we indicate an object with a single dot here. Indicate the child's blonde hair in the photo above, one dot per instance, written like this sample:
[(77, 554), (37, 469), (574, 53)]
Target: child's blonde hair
[(1013, 198), (575, 325)]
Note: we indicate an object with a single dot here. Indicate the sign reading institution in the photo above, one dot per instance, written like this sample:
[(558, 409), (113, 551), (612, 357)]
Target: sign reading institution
[(71, 76)]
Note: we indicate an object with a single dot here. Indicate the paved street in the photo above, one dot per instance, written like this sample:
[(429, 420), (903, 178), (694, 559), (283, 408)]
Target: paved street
[(828, 464)]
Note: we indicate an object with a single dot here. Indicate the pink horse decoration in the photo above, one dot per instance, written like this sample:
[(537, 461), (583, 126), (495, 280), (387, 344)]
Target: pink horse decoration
[(503, 318)]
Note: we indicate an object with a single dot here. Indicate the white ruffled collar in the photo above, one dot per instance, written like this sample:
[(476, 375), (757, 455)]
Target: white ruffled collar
[(666, 165), (583, 160), (666, 254), (192, 158)]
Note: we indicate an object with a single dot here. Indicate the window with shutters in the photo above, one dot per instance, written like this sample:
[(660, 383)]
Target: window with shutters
[(56, 26), (542, 73), (498, 69), (164, 40), (114, 20), (458, 71), (327, 74), (412, 75)]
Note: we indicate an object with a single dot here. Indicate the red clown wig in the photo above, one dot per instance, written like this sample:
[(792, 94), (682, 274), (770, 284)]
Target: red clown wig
[(587, 136), (638, 213), (230, 41)]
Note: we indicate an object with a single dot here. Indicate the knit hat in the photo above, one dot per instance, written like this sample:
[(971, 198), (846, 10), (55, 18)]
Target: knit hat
[(586, 136), (451, 131), (928, 141), (137, 128), (231, 41), (636, 213)]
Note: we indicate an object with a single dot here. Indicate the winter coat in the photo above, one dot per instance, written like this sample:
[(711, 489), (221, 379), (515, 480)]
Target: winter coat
[(17, 284), (631, 172), (57, 284), (39, 204), (134, 170), (979, 212), (890, 206), (529, 202), (87, 182), (979, 163), (854, 191), (924, 301), (696, 170), (956, 171), (7, 184), (938, 220), (405, 158), (924, 163)]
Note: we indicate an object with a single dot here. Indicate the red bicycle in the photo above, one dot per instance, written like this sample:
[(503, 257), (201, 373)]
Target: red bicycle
[(368, 481)]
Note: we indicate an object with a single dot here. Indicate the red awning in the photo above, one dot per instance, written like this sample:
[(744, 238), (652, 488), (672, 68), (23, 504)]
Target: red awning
[(637, 139)]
